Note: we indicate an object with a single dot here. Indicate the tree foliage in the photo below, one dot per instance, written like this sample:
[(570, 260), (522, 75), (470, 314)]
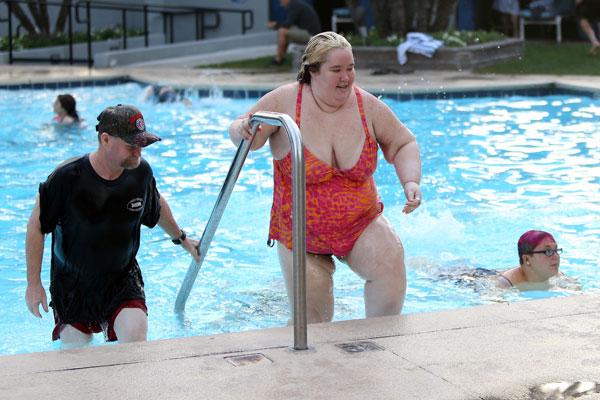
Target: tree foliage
[(397, 17)]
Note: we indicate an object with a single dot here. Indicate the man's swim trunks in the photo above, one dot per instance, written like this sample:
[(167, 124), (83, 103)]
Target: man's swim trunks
[(95, 226), (108, 327), (340, 203)]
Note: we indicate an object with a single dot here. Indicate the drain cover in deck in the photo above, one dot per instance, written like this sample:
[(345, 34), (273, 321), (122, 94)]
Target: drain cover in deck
[(247, 359), (359, 347)]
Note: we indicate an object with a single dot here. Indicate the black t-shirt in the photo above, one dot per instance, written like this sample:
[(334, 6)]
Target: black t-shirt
[(303, 16), (95, 226)]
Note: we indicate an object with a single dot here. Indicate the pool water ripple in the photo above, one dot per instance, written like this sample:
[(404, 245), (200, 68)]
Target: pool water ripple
[(492, 168)]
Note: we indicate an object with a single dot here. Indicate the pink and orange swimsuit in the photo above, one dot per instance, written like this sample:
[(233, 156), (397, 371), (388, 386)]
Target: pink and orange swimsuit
[(340, 203)]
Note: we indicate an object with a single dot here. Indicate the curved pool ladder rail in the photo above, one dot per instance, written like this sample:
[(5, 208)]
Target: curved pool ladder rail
[(298, 219)]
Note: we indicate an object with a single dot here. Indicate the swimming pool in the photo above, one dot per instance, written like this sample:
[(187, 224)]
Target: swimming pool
[(492, 168)]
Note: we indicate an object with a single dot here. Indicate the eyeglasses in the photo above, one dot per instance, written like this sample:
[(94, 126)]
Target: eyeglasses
[(548, 252)]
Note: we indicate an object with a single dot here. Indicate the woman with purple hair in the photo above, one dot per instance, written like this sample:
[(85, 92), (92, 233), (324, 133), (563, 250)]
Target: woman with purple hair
[(539, 260)]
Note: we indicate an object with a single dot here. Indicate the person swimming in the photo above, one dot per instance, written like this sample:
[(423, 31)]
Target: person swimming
[(539, 261), (165, 94), (65, 111)]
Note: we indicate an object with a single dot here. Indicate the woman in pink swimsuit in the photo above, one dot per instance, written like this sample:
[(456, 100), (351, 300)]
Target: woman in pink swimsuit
[(342, 128)]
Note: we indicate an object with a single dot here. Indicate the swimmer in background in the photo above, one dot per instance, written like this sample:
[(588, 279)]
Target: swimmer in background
[(165, 94), (65, 110), (539, 259)]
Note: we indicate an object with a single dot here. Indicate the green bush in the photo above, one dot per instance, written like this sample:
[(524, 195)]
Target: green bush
[(450, 39), (35, 41)]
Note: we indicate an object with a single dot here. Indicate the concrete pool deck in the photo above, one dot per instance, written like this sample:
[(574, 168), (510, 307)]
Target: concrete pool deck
[(499, 351), (432, 81), (488, 352)]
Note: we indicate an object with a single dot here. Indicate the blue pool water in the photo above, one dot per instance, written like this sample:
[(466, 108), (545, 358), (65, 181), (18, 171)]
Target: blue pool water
[(492, 169)]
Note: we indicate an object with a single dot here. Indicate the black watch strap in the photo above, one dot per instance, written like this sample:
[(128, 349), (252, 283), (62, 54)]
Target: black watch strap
[(180, 239)]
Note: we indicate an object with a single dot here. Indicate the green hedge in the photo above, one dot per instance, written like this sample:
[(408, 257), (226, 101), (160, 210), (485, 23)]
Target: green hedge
[(36, 41)]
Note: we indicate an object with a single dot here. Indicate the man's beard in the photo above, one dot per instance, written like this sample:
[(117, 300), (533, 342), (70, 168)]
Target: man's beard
[(131, 162)]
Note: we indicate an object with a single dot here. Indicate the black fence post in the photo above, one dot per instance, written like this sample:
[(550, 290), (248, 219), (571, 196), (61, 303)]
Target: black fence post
[(10, 36), (70, 35), (168, 13), (124, 24), (89, 34), (197, 15), (145, 25), (245, 27), (171, 32)]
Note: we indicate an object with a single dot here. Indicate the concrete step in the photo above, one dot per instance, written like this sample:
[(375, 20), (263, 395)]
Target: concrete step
[(212, 58)]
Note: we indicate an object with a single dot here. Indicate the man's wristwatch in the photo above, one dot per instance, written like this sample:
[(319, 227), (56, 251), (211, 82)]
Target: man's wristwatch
[(180, 239)]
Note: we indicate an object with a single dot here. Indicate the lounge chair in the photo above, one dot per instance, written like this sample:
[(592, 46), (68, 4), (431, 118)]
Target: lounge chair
[(545, 13)]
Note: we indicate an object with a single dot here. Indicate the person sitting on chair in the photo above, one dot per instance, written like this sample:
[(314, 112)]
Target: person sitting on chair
[(301, 24)]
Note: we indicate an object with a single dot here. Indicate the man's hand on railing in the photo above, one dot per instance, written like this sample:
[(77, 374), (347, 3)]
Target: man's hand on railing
[(191, 246)]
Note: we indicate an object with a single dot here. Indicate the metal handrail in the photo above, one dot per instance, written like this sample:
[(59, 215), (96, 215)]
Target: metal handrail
[(298, 219), (213, 222)]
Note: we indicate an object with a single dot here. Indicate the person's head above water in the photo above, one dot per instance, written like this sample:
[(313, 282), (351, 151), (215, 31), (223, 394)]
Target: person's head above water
[(316, 52), (539, 259), (530, 240), (66, 106)]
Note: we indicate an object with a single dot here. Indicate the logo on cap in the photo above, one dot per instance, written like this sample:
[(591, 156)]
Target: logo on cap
[(140, 124)]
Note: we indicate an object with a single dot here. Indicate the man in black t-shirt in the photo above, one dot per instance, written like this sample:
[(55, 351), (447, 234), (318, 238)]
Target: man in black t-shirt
[(301, 24), (94, 206)]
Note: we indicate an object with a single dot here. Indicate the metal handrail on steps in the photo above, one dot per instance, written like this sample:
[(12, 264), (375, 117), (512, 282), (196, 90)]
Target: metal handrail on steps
[(298, 220)]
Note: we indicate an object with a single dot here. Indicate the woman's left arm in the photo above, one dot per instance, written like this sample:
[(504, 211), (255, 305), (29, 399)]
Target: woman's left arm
[(400, 148)]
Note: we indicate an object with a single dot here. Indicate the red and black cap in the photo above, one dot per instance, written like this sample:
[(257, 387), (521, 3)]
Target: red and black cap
[(127, 123)]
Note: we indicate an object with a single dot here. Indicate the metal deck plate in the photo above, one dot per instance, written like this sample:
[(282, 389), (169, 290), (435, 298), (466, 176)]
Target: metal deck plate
[(247, 359), (359, 347)]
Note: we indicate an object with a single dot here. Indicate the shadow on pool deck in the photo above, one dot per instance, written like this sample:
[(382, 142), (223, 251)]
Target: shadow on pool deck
[(490, 352)]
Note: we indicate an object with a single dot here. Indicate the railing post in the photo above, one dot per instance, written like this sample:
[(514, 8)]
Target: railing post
[(88, 15), (171, 31), (145, 25), (70, 35), (298, 220), (196, 17), (10, 36), (124, 25)]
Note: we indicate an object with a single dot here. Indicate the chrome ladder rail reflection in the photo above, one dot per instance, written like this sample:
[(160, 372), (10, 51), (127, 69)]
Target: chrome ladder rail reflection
[(298, 220)]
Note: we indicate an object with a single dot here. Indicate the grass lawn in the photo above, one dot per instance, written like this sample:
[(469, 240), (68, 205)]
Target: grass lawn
[(540, 58), (551, 58)]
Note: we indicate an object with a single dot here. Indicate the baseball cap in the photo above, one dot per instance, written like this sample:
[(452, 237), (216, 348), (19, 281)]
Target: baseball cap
[(127, 123)]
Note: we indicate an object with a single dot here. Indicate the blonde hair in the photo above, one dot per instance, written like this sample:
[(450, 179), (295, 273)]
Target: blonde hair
[(316, 52)]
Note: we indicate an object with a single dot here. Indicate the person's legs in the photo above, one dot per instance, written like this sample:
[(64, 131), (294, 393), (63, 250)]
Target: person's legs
[(131, 325), (378, 258), (589, 32), (514, 22), (71, 337), (319, 283), (282, 44)]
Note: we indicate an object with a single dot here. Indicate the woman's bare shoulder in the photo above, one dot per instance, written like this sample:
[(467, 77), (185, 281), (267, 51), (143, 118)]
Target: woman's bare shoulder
[(278, 98), (285, 90), (372, 103)]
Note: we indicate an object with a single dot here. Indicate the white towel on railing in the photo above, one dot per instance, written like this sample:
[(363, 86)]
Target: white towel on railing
[(419, 43)]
